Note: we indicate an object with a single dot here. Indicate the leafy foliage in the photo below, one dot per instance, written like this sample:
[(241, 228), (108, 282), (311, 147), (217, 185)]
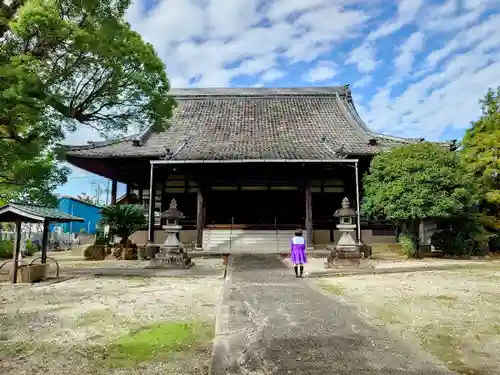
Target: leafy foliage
[(406, 242), (64, 63), (417, 182), (123, 220), (481, 152), (6, 249), (481, 146), (86, 198)]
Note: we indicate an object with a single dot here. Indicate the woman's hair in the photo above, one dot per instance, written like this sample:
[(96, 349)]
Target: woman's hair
[(298, 232)]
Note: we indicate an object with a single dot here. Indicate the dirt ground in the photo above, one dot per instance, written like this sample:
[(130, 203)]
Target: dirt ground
[(95, 325), (454, 315)]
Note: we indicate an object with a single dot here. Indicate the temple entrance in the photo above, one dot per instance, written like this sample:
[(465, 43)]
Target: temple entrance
[(264, 209)]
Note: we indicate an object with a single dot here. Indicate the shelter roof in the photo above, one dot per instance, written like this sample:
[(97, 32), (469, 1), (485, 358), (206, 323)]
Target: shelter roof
[(12, 212), (253, 123)]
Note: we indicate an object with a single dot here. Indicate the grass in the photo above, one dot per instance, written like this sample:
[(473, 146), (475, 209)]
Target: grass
[(93, 317), (447, 346), (445, 298), (334, 289), (157, 342)]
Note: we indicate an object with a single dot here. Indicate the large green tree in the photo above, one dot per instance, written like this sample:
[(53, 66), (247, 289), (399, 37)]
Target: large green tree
[(65, 62), (417, 182), (481, 152)]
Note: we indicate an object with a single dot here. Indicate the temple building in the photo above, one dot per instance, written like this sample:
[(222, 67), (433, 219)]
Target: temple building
[(266, 160)]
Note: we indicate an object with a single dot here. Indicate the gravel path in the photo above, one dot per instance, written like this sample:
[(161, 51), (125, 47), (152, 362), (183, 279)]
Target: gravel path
[(272, 323)]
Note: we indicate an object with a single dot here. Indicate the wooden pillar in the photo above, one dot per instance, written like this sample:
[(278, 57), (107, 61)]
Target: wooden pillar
[(17, 250), (309, 221), (45, 238), (151, 211), (114, 186), (200, 217)]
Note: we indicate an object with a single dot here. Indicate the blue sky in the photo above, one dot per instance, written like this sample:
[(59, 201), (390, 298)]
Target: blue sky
[(417, 68)]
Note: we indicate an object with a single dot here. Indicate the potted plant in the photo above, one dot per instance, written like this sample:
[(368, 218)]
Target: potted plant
[(123, 220)]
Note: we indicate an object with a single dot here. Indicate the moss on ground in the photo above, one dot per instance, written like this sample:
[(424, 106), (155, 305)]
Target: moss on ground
[(158, 342), (334, 289)]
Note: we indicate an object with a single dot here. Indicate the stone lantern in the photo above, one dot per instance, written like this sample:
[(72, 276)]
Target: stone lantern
[(171, 253), (346, 249), (172, 227)]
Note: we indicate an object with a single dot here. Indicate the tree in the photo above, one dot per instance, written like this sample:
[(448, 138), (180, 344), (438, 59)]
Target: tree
[(481, 152), (417, 182), (86, 198), (123, 220), (30, 180), (65, 62)]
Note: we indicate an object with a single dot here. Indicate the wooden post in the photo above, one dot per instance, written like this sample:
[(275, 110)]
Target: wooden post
[(45, 237), (309, 221), (358, 210), (114, 186), (17, 250), (151, 215), (200, 217)]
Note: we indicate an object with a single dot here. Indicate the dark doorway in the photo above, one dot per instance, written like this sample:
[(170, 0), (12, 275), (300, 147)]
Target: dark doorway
[(256, 208)]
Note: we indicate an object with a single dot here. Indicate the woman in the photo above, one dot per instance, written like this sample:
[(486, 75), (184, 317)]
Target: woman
[(298, 252)]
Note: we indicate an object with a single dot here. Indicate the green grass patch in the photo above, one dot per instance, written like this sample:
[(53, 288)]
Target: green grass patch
[(334, 289), (445, 298), (496, 329), (157, 342)]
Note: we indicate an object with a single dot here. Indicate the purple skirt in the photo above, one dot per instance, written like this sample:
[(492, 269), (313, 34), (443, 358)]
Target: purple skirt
[(298, 254)]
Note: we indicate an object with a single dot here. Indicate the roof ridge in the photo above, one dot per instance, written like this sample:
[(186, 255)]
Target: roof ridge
[(259, 91), (103, 143)]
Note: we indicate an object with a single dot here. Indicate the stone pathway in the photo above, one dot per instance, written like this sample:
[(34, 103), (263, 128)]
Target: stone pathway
[(269, 322)]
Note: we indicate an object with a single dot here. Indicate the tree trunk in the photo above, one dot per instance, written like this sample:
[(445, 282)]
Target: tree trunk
[(416, 237)]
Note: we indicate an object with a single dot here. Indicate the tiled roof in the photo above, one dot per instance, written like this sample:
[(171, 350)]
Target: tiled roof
[(254, 123), (34, 213)]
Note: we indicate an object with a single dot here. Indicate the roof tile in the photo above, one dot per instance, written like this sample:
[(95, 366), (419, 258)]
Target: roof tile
[(257, 123)]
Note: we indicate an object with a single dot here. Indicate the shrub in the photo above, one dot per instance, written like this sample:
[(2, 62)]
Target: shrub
[(95, 252), (454, 242), (6, 249), (407, 245), (31, 248), (494, 243), (123, 220), (126, 252)]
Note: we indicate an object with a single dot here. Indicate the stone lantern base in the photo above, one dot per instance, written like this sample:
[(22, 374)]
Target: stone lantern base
[(171, 255)]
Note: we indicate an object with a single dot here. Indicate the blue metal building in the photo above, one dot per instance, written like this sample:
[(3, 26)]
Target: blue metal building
[(87, 211)]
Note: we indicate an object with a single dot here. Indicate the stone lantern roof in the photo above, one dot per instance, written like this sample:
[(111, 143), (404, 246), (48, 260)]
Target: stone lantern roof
[(346, 210), (173, 212)]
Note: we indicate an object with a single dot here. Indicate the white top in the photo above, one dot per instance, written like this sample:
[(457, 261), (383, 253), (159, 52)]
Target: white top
[(298, 240)]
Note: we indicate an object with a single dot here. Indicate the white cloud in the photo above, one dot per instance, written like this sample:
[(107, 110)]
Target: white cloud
[(363, 57), (407, 11), (362, 82), (322, 72), (212, 42), (272, 75), (407, 52)]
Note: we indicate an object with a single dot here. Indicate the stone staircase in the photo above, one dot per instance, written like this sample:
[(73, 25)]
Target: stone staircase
[(247, 240)]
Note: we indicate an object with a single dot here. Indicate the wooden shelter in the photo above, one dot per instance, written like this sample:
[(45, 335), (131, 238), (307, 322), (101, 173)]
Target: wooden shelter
[(251, 158), (19, 213)]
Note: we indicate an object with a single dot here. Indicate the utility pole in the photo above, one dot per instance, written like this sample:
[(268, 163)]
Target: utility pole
[(98, 190), (108, 189)]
